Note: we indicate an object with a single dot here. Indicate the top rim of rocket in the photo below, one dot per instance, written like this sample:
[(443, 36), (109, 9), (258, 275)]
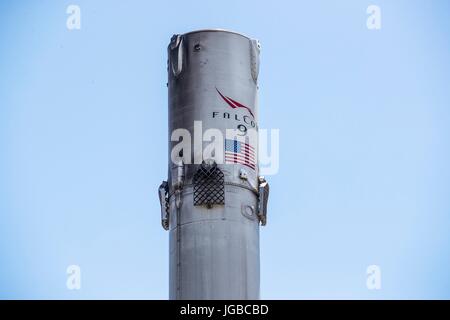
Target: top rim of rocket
[(218, 30)]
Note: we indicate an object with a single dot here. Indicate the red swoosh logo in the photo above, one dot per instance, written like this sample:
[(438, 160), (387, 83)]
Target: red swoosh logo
[(234, 104)]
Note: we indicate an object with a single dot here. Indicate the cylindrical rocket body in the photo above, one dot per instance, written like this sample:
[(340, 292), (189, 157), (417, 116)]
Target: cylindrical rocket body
[(214, 227)]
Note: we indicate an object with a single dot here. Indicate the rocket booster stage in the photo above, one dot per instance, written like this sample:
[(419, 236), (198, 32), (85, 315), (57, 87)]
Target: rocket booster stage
[(214, 199)]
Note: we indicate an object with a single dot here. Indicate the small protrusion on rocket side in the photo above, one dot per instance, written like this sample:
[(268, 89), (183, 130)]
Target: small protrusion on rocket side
[(176, 54), (178, 182), (243, 174), (263, 196), (255, 48), (163, 191)]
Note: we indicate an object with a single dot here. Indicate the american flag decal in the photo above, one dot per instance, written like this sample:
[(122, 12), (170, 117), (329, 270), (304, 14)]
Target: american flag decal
[(239, 152)]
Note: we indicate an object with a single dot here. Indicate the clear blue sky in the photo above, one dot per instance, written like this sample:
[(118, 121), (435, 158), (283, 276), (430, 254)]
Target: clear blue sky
[(364, 119)]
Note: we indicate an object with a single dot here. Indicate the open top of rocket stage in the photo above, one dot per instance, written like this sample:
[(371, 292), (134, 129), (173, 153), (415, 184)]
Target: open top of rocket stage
[(218, 30)]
